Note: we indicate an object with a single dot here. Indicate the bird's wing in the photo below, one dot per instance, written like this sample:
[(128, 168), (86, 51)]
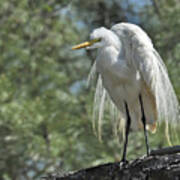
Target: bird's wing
[(155, 76), (141, 56)]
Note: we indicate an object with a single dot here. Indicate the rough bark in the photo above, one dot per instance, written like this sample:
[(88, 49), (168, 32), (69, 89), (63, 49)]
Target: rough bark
[(165, 165)]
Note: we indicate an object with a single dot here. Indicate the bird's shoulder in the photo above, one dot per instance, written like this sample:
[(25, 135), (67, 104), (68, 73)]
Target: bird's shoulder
[(133, 34)]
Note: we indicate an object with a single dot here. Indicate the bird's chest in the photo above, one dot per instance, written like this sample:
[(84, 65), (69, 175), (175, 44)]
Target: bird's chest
[(110, 66), (115, 72), (119, 80), (121, 88)]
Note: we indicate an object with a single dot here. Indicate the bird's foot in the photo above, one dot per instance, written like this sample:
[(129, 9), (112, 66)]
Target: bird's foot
[(124, 162)]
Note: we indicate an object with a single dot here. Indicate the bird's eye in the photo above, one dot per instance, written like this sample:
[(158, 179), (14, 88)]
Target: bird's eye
[(95, 40)]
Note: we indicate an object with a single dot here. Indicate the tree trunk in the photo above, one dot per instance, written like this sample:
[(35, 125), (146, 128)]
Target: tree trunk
[(161, 164)]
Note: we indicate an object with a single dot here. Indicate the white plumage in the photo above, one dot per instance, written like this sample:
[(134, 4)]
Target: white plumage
[(128, 65)]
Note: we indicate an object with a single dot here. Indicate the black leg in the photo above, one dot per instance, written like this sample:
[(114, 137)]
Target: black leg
[(144, 124), (128, 123)]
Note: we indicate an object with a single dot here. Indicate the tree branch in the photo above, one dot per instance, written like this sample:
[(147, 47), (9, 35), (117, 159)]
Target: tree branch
[(156, 8), (165, 165)]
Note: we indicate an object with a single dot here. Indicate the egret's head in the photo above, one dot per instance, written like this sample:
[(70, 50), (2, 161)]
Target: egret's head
[(99, 38)]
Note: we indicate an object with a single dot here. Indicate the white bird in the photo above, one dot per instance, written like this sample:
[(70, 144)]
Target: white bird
[(134, 76)]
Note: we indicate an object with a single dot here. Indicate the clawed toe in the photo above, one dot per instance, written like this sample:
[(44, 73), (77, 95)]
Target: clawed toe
[(124, 162)]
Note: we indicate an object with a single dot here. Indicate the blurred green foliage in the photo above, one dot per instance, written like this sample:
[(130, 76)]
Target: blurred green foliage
[(45, 113)]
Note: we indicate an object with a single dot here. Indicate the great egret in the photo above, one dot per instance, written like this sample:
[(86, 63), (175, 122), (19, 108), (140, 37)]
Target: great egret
[(134, 76)]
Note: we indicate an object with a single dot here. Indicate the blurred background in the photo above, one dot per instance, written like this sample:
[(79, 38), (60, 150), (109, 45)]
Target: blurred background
[(45, 105)]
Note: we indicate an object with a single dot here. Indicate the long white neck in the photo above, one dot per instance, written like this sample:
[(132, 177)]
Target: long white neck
[(107, 56), (111, 39)]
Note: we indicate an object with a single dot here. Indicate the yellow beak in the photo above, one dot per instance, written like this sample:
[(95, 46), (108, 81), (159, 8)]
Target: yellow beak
[(86, 44)]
